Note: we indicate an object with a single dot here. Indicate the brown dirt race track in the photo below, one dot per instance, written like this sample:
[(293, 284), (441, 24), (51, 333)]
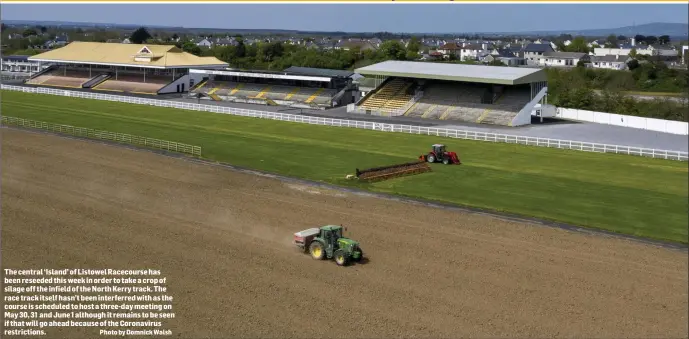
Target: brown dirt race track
[(223, 240)]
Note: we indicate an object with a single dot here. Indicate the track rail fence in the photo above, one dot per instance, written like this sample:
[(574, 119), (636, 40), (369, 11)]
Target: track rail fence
[(170, 146), (385, 127)]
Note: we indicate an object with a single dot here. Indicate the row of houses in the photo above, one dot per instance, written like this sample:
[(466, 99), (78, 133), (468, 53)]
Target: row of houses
[(323, 44), (539, 52), (544, 54)]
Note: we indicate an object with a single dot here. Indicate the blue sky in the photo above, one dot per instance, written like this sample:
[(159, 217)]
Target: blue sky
[(361, 18)]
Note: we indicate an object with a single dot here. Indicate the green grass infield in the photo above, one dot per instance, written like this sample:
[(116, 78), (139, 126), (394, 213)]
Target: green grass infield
[(620, 193)]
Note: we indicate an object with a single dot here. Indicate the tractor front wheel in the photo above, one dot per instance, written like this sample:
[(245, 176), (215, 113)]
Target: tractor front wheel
[(341, 258), (316, 250), (361, 255), (446, 161), (431, 158)]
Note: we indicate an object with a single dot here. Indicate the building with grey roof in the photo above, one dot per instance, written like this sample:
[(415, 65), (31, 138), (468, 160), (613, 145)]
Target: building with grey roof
[(455, 72), (533, 53), (611, 61), (470, 93), (505, 56)]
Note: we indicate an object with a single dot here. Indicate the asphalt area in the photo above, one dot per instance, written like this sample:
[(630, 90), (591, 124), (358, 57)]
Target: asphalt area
[(222, 238)]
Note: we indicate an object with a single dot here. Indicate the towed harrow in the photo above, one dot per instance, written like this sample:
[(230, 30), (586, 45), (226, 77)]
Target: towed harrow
[(392, 171)]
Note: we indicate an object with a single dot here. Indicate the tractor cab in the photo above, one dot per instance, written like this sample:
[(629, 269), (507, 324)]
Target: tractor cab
[(331, 233), (439, 153), (331, 243), (438, 149)]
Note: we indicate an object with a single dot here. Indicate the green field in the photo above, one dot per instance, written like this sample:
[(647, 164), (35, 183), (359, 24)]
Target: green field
[(627, 194)]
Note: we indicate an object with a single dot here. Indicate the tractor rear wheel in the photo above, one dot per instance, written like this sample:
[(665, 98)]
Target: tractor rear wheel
[(341, 258), (316, 250), (430, 158)]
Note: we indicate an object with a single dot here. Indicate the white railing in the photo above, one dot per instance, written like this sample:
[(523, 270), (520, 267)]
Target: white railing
[(440, 132), (104, 135)]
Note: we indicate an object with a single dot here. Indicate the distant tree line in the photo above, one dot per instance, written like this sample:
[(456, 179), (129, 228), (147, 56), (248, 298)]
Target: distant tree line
[(604, 90)]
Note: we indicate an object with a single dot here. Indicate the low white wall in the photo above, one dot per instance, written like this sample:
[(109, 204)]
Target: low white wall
[(658, 125), (547, 111)]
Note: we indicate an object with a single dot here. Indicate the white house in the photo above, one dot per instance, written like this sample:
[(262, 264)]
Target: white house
[(451, 48), (533, 53), (473, 51), (623, 50), (563, 59), (602, 51), (685, 50), (205, 43), (664, 51), (616, 61)]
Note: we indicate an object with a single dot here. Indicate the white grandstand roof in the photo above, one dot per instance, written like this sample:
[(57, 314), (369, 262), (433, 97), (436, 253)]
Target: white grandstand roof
[(455, 72)]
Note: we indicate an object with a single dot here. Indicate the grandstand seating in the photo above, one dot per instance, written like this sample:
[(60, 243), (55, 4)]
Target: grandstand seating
[(134, 83), (393, 95), (244, 90), (452, 92), (101, 80), (278, 92), (60, 77), (462, 102)]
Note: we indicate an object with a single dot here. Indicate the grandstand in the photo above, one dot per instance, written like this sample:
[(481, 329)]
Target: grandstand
[(299, 88), (124, 68), (465, 93)]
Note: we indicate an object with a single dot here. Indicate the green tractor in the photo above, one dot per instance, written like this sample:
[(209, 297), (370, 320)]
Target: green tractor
[(328, 242)]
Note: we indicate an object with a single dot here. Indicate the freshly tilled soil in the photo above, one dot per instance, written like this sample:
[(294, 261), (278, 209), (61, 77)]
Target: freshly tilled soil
[(223, 240)]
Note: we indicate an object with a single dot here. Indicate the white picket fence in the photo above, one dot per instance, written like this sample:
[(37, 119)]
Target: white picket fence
[(104, 135), (650, 124), (440, 132)]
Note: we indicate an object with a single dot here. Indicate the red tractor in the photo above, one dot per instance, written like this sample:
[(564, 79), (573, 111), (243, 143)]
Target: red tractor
[(440, 154)]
